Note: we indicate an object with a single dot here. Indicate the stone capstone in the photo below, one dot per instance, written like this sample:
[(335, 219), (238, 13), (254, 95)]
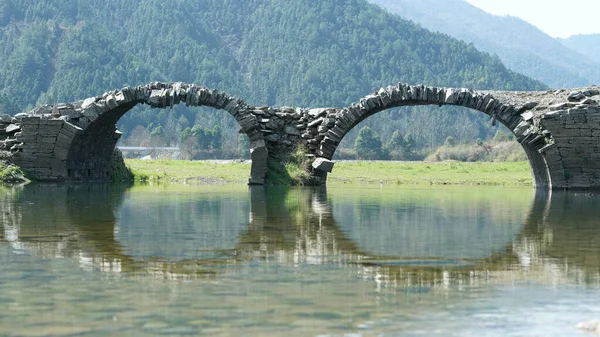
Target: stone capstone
[(576, 96), (323, 164), (12, 128)]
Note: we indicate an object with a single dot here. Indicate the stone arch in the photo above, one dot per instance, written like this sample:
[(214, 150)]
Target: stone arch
[(87, 133), (502, 107)]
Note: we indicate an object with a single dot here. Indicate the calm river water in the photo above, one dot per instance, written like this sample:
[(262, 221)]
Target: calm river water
[(106, 260)]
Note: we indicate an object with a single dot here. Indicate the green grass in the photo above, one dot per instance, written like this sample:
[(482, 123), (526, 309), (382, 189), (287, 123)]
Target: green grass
[(11, 174), (444, 173), (188, 171), (413, 173)]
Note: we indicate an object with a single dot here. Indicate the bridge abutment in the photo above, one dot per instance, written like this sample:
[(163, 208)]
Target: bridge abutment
[(573, 159)]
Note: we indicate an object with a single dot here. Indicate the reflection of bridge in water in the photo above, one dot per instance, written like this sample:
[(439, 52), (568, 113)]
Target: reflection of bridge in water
[(299, 227)]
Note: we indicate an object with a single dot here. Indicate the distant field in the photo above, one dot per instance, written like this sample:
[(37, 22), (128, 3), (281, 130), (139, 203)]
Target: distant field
[(446, 173)]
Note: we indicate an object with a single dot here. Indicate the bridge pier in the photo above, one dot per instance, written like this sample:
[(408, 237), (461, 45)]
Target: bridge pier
[(559, 130)]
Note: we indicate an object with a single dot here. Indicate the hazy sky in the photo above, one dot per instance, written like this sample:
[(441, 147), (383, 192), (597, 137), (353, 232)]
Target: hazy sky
[(556, 18)]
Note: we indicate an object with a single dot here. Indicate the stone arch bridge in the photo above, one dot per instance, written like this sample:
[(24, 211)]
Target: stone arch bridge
[(558, 129)]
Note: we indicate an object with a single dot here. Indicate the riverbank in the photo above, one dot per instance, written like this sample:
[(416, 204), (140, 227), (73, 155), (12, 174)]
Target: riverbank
[(345, 172)]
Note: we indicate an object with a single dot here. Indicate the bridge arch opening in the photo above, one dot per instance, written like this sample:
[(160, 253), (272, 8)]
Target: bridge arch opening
[(429, 133), (182, 133), (499, 110), (91, 149)]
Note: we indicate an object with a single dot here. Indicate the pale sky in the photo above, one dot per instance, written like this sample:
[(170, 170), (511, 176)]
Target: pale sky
[(558, 18)]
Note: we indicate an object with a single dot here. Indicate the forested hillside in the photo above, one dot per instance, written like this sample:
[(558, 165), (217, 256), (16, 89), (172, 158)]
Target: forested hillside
[(276, 52), (586, 44), (520, 45)]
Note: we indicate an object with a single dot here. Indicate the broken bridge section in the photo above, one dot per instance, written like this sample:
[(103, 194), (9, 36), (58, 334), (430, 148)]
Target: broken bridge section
[(558, 130)]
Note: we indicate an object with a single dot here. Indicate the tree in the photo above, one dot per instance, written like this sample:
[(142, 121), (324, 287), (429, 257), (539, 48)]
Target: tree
[(395, 146), (367, 145), (216, 141), (397, 141), (408, 151), (243, 146), (188, 147), (157, 136)]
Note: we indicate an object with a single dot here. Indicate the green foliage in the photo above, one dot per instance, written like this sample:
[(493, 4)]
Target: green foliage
[(402, 148), (198, 140), (243, 146), (503, 135), (11, 174), (453, 173), (408, 150), (507, 151), (397, 140), (446, 173), (118, 170), (367, 144), (294, 171)]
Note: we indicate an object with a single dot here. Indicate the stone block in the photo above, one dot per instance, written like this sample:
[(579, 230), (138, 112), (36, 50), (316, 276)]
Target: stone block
[(230, 105), (249, 122), (43, 148), (316, 123), (449, 99), (273, 138), (120, 98), (385, 99), (323, 164), (156, 97), (70, 129), (290, 130), (12, 128), (61, 153), (316, 113), (90, 113), (88, 102), (111, 101), (414, 92), (329, 122), (47, 140), (527, 116)]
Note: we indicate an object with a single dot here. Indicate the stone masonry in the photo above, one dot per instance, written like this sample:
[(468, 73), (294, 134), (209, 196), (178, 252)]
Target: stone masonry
[(559, 129)]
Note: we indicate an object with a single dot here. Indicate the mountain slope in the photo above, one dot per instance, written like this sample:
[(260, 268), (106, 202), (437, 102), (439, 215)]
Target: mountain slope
[(586, 44), (276, 52), (521, 46)]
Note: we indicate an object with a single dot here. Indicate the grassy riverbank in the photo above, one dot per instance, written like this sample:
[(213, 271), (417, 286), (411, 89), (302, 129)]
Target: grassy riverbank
[(445, 173), (11, 174)]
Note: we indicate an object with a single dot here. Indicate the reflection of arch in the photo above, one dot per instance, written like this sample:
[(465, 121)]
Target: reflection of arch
[(67, 221), (564, 228), (294, 226)]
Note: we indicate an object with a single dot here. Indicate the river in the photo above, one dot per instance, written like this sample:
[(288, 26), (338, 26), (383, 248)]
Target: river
[(175, 260)]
